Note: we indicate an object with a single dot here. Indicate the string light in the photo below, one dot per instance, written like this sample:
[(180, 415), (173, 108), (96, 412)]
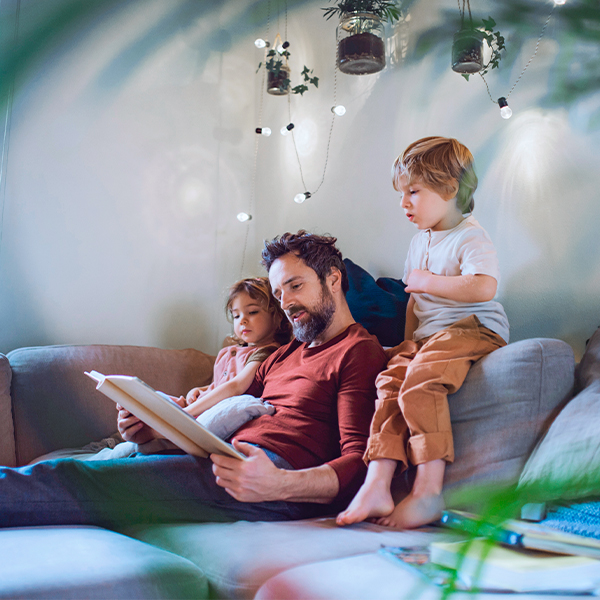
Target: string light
[(300, 198), (266, 131), (260, 43), (243, 217), (286, 129), (505, 110), (339, 110)]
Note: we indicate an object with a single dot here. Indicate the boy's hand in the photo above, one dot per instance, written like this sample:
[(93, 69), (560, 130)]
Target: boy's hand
[(418, 282)]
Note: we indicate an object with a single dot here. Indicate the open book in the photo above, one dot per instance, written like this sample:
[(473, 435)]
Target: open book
[(162, 414)]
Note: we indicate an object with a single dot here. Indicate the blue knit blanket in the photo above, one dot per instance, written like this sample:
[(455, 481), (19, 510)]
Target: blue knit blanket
[(582, 519)]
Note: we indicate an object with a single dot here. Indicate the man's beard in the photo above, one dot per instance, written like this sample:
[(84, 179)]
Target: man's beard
[(317, 320)]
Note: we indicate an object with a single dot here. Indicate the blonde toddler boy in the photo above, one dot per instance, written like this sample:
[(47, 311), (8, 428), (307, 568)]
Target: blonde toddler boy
[(451, 273)]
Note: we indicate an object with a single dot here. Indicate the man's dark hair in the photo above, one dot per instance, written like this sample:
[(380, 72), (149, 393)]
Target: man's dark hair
[(317, 251)]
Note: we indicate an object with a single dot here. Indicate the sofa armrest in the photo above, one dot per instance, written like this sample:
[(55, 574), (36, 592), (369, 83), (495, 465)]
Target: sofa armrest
[(7, 433), (56, 406)]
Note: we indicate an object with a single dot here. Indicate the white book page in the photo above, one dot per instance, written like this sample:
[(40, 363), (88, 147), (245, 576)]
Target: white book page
[(163, 415)]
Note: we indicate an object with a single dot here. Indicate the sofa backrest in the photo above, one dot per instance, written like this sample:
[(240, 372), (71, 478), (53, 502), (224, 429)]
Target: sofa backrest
[(55, 405), (7, 434), (507, 401)]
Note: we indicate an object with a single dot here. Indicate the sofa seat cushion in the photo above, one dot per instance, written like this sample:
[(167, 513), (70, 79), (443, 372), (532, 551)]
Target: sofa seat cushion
[(237, 558), (354, 578), (90, 562), (367, 576)]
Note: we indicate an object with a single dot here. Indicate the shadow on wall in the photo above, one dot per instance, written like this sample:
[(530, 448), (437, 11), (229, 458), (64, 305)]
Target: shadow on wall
[(20, 315), (549, 223), (187, 325)]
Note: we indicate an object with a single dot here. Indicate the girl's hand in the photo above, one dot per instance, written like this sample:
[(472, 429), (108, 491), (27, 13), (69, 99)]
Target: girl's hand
[(181, 401), (192, 395)]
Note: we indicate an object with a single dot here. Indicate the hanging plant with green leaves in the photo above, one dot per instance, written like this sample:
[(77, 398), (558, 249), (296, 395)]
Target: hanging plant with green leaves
[(278, 72), (361, 33), (495, 41), (384, 9), (467, 48)]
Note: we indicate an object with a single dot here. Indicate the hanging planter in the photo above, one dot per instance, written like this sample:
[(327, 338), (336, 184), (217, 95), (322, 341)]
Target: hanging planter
[(467, 51), (468, 44), (278, 70), (278, 80), (361, 47), (360, 34)]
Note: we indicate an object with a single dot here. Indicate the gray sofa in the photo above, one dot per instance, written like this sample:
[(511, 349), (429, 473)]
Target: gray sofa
[(47, 403)]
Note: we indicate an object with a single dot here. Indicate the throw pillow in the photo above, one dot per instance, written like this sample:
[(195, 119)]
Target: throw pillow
[(226, 417), (588, 369), (379, 306), (566, 464)]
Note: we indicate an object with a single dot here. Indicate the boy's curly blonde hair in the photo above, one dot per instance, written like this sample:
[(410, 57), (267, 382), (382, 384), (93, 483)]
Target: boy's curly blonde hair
[(442, 164), (259, 289)]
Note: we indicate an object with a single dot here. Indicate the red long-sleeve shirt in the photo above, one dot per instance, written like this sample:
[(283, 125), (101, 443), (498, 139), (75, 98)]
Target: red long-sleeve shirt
[(324, 399)]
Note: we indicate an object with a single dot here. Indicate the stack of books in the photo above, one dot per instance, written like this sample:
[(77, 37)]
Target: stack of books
[(517, 557)]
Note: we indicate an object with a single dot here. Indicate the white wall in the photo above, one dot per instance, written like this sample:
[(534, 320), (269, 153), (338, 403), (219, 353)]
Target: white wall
[(132, 149)]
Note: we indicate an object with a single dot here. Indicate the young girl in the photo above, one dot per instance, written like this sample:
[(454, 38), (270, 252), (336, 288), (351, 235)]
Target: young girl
[(260, 327), (451, 273)]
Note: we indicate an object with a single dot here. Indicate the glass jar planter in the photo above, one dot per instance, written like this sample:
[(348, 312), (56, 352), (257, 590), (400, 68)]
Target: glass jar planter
[(361, 47), (467, 51), (278, 83)]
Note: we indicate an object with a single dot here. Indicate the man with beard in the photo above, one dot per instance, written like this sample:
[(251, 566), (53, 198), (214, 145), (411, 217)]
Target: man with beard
[(303, 461)]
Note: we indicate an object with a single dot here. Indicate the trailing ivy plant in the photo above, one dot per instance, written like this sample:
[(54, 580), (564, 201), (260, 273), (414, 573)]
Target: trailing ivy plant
[(274, 65), (495, 41), (384, 9)]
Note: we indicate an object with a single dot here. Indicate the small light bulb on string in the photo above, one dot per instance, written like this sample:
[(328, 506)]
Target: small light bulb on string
[(263, 131), (243, 217), (339, 110), (286, 129), (282, 47), (505, 110), (260, 43), (560, 2), (300, 198)]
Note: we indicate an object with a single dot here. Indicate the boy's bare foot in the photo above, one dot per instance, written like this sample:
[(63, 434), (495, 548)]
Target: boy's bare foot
[(372, 500), (414, 511)]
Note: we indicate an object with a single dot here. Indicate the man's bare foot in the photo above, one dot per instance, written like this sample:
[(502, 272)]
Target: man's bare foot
[(414, 511), (372, 500)]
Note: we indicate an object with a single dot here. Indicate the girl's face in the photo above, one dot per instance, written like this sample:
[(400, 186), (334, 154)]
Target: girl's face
[(252, 323)]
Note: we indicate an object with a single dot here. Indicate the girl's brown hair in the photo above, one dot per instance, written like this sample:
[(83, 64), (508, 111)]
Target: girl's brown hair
[(442, 164), (259, 289)]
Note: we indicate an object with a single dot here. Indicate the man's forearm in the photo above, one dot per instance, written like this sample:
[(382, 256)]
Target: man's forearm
[(257, 479), (318, 484)]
